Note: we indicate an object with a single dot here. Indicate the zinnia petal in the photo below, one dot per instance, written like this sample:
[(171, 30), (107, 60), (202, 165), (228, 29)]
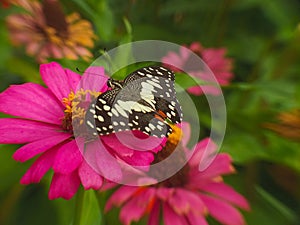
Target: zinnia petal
[(89, 178), (56, 79), (173, 60), (154, 214), (183, 201), (186, 133), (39, 168), (107, 164), (171, 218), (34, 148), (31, 101), (120, 196), (135, 208), (196, 219), (129, 141), (64, 185), (221, 165), (222, 211), (94, 79), (199, 151), (73, 79), (68, 158), (196, 90), (164, 193), (19, 131), (139, 159), (227, 193)]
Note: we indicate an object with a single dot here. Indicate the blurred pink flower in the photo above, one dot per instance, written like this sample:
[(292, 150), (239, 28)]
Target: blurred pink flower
[(46, 119), (213, 57), (185, 198), (47, 33), (5, 3)]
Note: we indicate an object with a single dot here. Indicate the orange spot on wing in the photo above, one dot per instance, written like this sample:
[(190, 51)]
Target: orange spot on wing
[(161, 115)]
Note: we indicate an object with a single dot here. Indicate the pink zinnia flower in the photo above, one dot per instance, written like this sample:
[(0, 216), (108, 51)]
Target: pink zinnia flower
[(46, 119), (215, 59), (187, 197), (46, 32)]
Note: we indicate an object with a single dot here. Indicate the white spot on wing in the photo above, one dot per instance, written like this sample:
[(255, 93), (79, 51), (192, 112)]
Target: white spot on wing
[(100, 118), (121, 110), (151, 126), (90, 124), (115, 112), (154, 84), (106, 107), (102, 101)]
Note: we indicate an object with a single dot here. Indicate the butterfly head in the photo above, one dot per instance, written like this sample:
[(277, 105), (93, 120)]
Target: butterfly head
[(112, 83)]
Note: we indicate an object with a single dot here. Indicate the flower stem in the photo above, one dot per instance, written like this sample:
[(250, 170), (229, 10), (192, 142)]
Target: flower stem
[(78, 206)]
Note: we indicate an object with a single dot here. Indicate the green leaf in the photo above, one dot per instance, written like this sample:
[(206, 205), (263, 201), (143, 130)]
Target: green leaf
[(128, 36), (283, 151), (185, 81), (242, 146), (104, 20), (25, 69), (87, 209), (10, 170), (268, 210), (119, 58), (277, 205), (32, 207)]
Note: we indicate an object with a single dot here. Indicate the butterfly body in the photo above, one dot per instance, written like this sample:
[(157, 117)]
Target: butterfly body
[(144, 101)]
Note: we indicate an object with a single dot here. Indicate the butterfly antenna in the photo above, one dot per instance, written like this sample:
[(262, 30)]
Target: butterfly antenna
[(80, 71)]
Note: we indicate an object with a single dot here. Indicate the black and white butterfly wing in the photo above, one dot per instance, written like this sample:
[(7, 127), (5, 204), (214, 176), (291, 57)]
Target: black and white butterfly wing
[(158, 82), (144, 101), (148, 123), (99, 114)]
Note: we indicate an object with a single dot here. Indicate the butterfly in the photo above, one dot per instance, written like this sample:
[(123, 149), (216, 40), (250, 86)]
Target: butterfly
[(145, 100)]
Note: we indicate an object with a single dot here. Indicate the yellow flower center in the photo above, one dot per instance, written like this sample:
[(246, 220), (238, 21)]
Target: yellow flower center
[(176, 135), (76, 105)]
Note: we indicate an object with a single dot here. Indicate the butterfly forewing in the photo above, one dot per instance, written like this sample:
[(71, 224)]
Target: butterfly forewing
[(145, 101)]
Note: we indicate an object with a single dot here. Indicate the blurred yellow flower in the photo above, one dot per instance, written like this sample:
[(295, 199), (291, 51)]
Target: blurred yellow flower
[(288, 125), (47, 33)]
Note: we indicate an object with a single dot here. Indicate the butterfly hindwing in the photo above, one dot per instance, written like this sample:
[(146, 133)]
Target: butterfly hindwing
[(171, 108), (149, 124)]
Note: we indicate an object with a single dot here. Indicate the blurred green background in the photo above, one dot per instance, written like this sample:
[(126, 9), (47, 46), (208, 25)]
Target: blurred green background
[(263, 38)]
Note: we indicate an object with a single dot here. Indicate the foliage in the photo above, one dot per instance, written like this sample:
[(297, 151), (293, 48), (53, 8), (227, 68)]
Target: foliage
[(263, 39)]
